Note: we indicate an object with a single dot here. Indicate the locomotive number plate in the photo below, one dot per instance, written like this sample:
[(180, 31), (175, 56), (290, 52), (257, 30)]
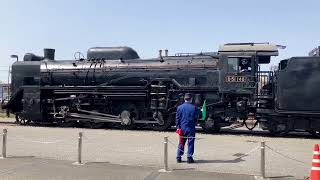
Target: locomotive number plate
[(236, 79)]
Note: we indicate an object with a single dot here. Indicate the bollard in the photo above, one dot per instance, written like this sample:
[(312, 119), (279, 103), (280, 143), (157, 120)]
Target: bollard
[(4, 143), (165, 157), (262, 161), (79, 147)]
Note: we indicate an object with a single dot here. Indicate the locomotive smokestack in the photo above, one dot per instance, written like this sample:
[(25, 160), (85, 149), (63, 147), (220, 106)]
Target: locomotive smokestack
[(166, 52), (160, 53), (49, 53)]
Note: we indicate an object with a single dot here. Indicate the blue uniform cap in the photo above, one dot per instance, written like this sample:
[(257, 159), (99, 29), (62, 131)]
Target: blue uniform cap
[(187, 96)]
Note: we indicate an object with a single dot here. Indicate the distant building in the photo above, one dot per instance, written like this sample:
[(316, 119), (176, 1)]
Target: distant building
[(4, 91), (315, 51), (274, 68)]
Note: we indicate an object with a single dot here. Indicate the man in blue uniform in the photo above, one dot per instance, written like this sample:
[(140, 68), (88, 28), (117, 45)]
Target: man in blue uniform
[(186, 119)]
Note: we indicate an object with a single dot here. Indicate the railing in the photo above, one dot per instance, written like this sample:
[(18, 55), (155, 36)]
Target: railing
[(265, 84)]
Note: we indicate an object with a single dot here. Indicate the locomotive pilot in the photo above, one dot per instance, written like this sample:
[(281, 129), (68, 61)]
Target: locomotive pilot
[(186, 119)]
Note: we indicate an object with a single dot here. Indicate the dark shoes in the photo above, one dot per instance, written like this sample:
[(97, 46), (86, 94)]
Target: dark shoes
[(190, 160)]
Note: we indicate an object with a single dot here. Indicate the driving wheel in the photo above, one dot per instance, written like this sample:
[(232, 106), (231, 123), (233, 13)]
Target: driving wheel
[(279, 128), (211, 125), (315, 133), (22, 120)]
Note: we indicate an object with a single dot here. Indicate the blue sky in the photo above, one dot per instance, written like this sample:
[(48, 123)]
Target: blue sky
[(147, 25)]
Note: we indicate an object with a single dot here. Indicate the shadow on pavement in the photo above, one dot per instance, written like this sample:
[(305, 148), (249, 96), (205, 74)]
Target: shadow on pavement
[(17, 157), (237, 160), (183, 169), (280, 177), (98, 162)]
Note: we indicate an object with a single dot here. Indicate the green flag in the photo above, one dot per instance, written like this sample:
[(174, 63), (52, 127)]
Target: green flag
[(204, 111)]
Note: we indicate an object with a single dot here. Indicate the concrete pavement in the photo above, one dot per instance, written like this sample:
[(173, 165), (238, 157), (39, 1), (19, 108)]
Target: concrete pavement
[(223, 153), (26, 168)]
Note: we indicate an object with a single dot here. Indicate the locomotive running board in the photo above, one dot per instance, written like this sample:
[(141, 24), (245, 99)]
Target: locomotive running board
[(111, 94)]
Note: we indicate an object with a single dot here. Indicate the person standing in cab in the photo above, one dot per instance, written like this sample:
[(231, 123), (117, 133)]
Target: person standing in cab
[(245, 65), (186, 118)]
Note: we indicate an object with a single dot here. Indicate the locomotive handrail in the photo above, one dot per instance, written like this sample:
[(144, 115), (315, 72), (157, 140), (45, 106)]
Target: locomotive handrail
[(104, 93), (92, 87), (190, 88)]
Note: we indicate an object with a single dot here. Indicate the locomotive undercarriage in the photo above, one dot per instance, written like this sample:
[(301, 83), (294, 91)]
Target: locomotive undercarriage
[(126, 107), (134, 107), (232, 110), (131, 107), (280, 123), (97, 109)]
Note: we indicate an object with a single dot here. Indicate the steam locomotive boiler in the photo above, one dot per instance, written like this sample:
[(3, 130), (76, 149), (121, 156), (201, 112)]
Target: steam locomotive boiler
[(113, 86)]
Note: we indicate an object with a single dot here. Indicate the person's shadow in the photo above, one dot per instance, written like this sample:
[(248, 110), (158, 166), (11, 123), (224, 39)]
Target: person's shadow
[(238, 159)]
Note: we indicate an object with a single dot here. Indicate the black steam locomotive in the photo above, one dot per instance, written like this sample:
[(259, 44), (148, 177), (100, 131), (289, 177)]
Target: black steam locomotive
[(114, 87)]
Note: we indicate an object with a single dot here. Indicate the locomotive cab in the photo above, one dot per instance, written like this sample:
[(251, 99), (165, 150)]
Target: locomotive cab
[(240, 76), (240, 66)]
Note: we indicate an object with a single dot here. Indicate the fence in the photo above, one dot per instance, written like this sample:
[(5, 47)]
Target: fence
[(262, 154), (81, 145)]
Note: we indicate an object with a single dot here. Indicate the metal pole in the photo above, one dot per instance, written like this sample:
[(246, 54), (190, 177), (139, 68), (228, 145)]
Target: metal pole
[(262, 162), (8, 95), (79, 147), (9, 81), (165, 157), (2, 89), (4, 143)]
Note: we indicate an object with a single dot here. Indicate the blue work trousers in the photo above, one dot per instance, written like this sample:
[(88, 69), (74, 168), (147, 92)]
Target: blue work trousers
[(190, 136)]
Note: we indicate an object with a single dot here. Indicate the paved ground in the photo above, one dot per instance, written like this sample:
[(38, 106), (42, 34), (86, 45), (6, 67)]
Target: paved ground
[(40, 169), (224, 153), (4, 120)]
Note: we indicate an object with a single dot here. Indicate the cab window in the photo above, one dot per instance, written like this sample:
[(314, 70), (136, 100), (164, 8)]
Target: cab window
[(233, 64), (239, 64)]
